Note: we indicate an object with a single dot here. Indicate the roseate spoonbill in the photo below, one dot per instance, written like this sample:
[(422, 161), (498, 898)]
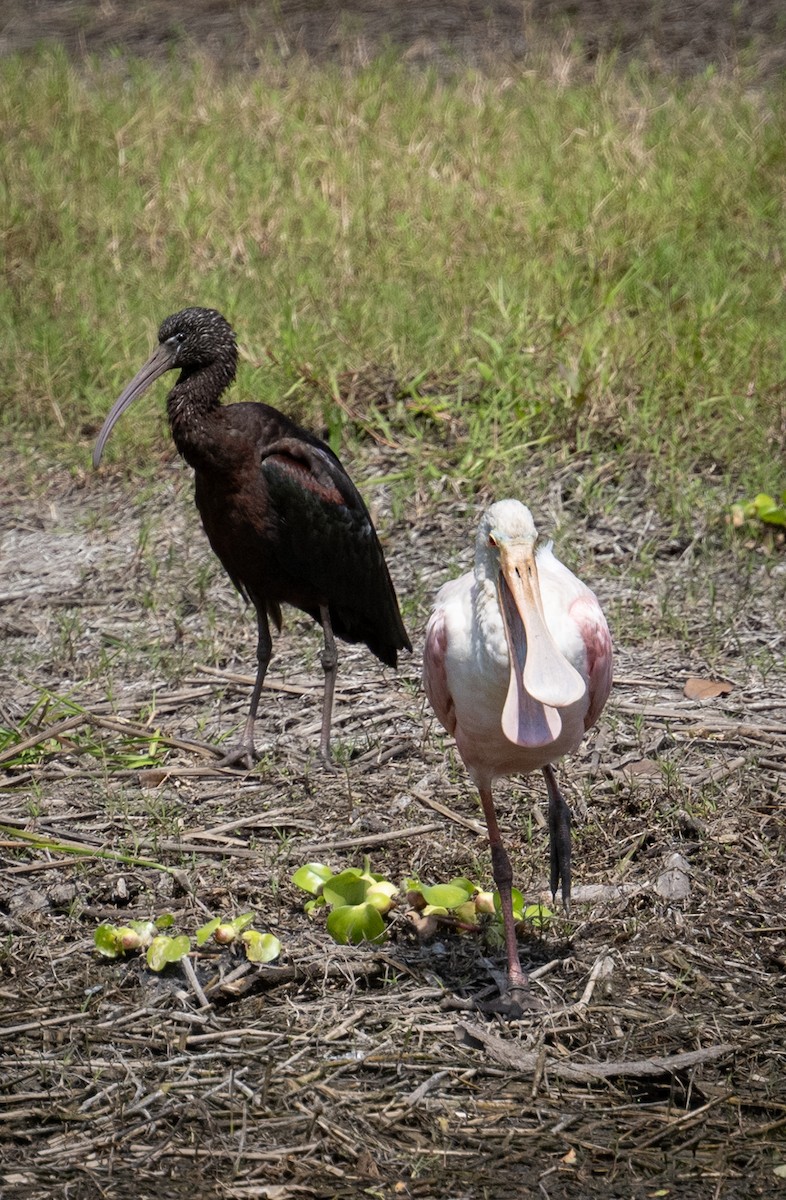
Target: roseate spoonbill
[(517, 667), (278, 508)]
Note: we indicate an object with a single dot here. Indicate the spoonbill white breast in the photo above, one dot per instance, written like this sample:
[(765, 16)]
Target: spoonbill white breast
[(517, 667)]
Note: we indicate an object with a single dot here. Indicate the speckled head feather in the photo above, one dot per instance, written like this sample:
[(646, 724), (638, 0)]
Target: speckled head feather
[(195, 341), (198, 336)]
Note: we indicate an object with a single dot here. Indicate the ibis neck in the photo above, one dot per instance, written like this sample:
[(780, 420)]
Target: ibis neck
[(192, 405)]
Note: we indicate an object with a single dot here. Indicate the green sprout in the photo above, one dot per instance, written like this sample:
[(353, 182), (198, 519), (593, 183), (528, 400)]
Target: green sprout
[(259, 947), (761, 508), (164, 950), (536, 915), (358, 898), (112, 941)]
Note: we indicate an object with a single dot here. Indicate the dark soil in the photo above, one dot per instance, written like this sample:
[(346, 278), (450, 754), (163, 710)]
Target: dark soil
[(671, 34)]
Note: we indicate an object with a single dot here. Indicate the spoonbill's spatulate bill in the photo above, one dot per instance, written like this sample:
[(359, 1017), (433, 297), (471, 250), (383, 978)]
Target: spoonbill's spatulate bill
[(517, 666), (279, 510)]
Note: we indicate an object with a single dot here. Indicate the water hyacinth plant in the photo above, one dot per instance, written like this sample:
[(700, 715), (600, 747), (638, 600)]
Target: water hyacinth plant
[(113, 941), (359, 899)]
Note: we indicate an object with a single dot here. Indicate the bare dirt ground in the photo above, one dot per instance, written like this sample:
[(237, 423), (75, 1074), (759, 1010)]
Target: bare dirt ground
[(348, 1072), (667, 34)]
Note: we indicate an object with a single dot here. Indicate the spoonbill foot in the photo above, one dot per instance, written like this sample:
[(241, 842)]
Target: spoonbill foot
[(515, 998), (559, 838), (514, 1002)]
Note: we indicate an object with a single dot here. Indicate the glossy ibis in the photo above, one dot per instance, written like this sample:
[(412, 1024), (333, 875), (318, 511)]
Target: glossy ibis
[(517, 666), (279, 510)]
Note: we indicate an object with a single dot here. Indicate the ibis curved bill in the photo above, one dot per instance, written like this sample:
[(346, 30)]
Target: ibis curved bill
[(160, 361)]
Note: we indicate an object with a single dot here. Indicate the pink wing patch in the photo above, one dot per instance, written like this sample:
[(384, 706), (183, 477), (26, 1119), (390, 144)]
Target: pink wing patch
[(299, 471), (435, 679), (589, 618)]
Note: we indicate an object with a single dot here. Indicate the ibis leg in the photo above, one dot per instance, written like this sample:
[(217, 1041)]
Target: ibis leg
[(330, 667), (559, 837), (503, 877), (244, 753)]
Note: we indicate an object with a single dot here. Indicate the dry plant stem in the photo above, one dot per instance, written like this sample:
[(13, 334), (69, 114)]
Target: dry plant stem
[(372, 839), (270, 684), (528, 1061), (190, 974)]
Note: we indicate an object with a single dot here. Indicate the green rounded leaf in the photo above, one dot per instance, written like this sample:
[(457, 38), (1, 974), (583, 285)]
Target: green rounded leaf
[(348, 888), (242, 922), (163, 950), (518, 903), (461, 881), (311, 877), (165, 921), (538, 915), (260, 947), (466, 912), (768, 510), (107, 942), (311, 905), (206, 931), (354, 923), (446, 895)]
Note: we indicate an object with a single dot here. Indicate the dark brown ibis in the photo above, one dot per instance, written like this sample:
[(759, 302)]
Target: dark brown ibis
[(282, 514)]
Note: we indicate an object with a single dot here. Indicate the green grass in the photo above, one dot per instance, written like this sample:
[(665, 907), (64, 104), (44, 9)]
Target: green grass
[(596, 265)]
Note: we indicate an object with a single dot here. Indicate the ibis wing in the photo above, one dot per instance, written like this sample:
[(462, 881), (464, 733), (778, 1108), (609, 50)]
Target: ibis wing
[(315, 469), (330, 550)]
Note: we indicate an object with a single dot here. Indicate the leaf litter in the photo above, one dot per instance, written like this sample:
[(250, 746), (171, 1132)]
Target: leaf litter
[(657, 1059)]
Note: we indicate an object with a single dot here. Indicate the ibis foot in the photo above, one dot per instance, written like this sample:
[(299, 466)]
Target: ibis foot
[(243, 756), (328, 765)]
